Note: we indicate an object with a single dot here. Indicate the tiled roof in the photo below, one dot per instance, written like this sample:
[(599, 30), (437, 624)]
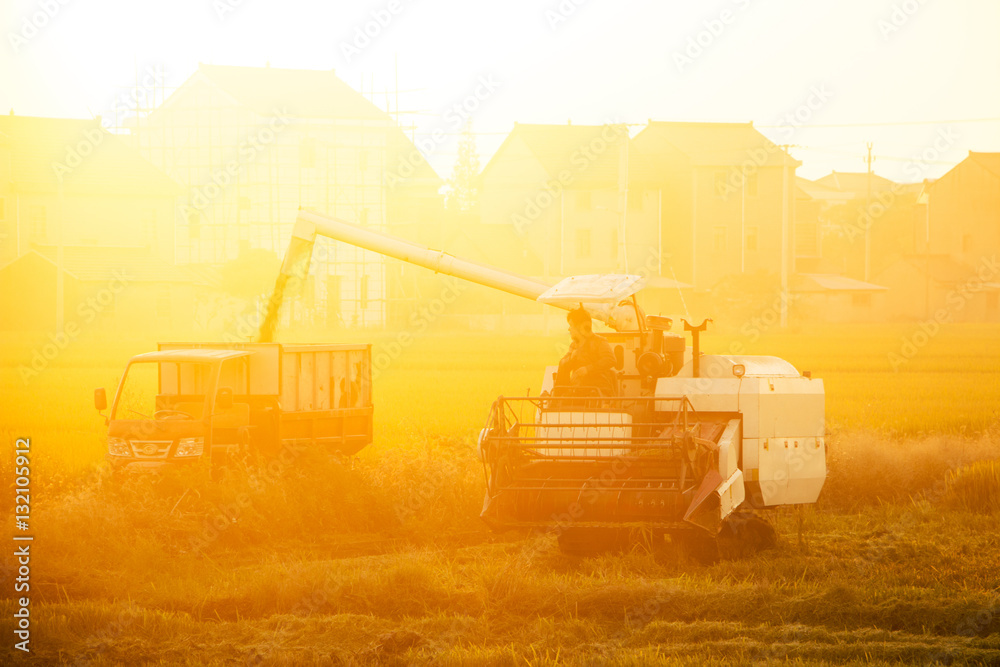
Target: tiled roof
[(854, 182), (989, 161), (299, 92), (828, 282), (591, 153), (712, 144), (78, 155)]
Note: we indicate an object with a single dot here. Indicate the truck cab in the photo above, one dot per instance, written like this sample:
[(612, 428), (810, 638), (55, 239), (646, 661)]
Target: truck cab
[(179, 407)]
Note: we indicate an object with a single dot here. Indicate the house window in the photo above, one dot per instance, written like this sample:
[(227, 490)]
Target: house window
[(635, 199), (719, 239), (751, 241), (39, 222), (151, 229), (861, 300), (721, 185), (163, 303), (307, 152), (244, 203), (364, 293), (583, 244), (583, 200), (194, 225), (750, 184), (333, 284)]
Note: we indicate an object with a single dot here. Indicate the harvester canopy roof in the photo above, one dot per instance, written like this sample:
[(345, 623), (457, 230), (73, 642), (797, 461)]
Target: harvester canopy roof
[(607, 289)]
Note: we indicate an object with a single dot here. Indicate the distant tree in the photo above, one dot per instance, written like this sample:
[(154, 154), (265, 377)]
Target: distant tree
[(462, 194)]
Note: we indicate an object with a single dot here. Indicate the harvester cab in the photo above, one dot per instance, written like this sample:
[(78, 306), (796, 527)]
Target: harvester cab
[(643, 348)]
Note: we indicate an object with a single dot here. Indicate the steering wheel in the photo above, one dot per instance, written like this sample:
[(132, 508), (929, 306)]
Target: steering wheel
[(169, 414)]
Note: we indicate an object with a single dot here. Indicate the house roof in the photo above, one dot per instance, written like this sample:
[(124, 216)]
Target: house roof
[(829, 282), (821, 192), (78, 155), (855, 183), (591, 153), (989, 161), (303, 93), (103, 263), (941, 268), (713, 144)]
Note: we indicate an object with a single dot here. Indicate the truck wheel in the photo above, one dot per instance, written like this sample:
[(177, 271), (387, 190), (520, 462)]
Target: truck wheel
[(218, 464)]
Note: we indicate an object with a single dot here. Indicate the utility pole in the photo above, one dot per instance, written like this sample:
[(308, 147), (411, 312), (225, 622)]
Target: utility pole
[(785, 227), (868, 227)]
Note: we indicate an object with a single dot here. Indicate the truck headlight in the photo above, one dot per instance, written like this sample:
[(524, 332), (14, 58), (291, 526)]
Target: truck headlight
[(190, 446), (119, 447)]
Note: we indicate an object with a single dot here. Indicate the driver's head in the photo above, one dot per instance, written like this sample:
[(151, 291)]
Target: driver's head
[(579, 324)]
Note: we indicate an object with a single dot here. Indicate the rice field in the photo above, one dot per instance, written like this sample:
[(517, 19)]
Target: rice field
[(386, 562)]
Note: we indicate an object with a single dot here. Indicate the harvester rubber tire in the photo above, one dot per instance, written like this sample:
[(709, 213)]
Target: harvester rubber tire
[(744, 534)]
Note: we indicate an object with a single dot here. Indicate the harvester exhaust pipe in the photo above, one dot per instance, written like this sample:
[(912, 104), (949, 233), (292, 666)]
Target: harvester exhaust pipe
[(696, 344)]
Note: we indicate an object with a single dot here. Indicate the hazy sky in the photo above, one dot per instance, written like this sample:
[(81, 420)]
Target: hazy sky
[(880, 67)]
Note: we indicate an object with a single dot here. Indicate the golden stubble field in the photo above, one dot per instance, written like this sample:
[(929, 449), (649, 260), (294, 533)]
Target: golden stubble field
[(385, 560)]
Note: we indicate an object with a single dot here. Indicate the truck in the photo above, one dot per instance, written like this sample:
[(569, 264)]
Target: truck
[(189, 404), (691, 445)]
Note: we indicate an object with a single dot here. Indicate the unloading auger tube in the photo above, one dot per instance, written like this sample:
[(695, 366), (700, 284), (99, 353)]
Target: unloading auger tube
[(309, 224)]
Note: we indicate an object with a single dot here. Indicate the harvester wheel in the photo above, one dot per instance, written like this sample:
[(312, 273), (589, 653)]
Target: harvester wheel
[(592, 541), (744, 534), (697, 545)]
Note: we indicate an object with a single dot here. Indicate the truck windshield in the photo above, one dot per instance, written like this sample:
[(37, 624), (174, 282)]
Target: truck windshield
[(163, 390)]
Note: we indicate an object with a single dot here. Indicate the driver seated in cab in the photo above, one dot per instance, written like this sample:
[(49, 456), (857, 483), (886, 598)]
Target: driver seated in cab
[(590, 361)]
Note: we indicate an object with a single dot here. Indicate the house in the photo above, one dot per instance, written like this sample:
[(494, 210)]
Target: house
[(856, 184), (89, 290), (254, 144), (860, 231), (939, 287), (724, 196), (963, 216), (822, 297), (70, 182), (575, 198)]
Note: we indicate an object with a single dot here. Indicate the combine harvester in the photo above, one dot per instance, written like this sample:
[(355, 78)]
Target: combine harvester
[(690, 445)]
